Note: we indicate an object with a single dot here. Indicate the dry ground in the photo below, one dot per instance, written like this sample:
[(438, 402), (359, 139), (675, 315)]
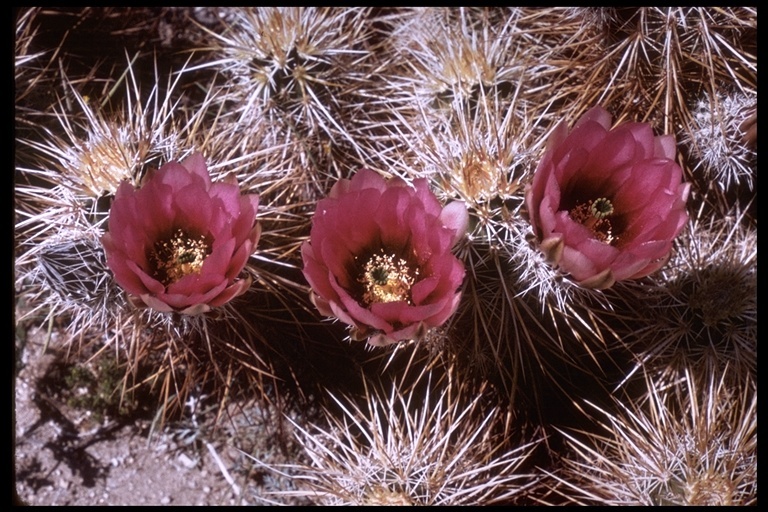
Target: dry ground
[(63, 456)]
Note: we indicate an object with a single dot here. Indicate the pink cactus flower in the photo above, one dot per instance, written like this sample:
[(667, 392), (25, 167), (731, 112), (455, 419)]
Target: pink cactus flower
[(179, 242), (606, 203), (379, 257)]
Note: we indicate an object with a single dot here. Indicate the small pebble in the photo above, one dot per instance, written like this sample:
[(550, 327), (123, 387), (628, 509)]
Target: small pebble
[(186, 461)]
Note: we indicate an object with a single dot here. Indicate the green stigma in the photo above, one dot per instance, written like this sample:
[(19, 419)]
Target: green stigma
[(601, 208)]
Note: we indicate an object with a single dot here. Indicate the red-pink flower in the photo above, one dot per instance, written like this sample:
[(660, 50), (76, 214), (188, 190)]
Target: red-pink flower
[(179, 242), (379, 257), (607, 203)]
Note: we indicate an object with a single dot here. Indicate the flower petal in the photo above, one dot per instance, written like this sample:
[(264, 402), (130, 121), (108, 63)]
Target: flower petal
[(179, 197), (195, 164), (456, 217), (368, 215), (630, 167)]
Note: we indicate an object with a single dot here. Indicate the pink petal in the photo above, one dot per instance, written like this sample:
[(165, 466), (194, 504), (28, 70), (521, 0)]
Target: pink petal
[(548, 216), (428, 235), (627, 265), (422, 289), (154, 210), (218, 262), (456, 217), (193, 209), (148, 282), (558, 135), (642, 187), (338, 311), (253, 201), (448, 308), (652, 267), (578, 265), (337, 259), (615, 150), (193, 285), (581, 140), (450, 271), (429, 202), (644, 140), (402, 313), (572, 232), (651, 250), (180, 301), (228, 198), (665, 147), (353, 218), (320, 303), (254, 236), (239, 287), (544, 183), (127, 241), (177, 177), (195, 163), (572, 164), (239, 258), (390, 217), (125, 274), (316, 274), (339, 189), (599, 253), (156, 303), (598, 115), (367, 178), (360, 314)]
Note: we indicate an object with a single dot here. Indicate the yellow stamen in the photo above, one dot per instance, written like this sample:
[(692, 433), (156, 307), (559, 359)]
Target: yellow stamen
[(387, 279), (594, 214), (178, 256)]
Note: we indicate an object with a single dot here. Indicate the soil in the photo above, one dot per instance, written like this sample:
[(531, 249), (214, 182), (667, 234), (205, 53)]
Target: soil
[(64, 456), (60, 463)]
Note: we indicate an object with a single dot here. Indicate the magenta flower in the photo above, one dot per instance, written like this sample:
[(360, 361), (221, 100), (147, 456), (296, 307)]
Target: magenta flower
[(179, 242), (379, 257), (607, 203)]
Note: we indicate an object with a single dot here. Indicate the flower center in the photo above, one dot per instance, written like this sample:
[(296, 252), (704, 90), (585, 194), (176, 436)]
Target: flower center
[(595, 215), (387, 279), (179, 255)]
